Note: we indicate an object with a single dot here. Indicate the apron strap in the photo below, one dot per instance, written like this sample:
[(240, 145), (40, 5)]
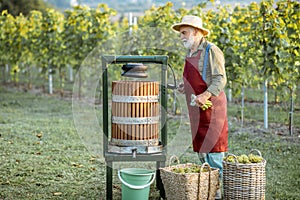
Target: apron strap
[(205, 62)]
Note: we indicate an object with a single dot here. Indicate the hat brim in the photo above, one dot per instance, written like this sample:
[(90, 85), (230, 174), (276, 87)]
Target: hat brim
[(176, 27)]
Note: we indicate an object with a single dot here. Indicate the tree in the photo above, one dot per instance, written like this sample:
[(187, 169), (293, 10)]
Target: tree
[(15, 7)]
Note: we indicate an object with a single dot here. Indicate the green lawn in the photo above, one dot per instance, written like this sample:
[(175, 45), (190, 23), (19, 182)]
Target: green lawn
[(43, 157)]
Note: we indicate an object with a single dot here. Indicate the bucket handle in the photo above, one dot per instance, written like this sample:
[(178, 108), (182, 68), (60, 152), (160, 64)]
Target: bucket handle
[(136, 187)]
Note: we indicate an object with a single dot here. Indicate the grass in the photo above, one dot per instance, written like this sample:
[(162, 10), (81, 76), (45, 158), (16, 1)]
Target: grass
[(282, 169), (43, 157)]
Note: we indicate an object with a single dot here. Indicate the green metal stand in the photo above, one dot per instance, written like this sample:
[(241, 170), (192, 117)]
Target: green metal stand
[(159, 158)]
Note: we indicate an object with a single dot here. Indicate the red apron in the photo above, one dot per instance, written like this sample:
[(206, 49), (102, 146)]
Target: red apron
[(209, 128)]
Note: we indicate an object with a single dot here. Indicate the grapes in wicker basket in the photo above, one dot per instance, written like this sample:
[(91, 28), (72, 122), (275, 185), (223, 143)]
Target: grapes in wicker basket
[(189, 169), (244, 159)]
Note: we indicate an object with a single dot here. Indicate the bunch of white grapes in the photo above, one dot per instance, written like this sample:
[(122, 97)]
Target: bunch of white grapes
[(189, 169), (244, 159)]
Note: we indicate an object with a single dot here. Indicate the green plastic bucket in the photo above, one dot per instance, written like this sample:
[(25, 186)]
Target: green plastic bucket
[(136, 183)]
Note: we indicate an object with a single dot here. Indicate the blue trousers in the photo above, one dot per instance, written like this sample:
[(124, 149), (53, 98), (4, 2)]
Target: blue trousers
[(214, 160)]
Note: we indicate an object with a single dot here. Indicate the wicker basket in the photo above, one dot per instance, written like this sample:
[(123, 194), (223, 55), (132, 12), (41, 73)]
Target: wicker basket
[(190, 186), (244, 181)]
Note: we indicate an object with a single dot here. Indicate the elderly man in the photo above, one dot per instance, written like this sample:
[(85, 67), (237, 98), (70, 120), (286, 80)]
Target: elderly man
[(204, 80)]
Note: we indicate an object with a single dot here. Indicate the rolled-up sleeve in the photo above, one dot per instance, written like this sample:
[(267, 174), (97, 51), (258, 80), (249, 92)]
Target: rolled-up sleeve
[(216, 80)]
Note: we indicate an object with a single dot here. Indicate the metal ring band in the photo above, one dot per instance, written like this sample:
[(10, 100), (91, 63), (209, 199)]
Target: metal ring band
[(135, 120), (134, 99)]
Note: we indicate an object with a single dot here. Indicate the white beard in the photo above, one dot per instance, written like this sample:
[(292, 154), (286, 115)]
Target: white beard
[(189, 43)]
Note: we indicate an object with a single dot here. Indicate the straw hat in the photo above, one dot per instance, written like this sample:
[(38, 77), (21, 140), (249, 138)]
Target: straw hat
[(191, 20)]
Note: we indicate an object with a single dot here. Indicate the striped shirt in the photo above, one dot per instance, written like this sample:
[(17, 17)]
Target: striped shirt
[(215, 72)]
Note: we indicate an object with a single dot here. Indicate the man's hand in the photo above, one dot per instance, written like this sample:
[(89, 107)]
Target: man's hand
[(202, 99)]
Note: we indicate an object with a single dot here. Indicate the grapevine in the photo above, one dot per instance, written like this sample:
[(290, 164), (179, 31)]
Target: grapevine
[(260, 41)]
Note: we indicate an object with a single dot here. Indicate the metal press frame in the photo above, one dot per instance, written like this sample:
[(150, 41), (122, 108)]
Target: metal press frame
[(160, 158)]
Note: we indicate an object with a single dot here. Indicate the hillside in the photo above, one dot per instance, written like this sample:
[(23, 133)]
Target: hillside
[(141, 5)]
